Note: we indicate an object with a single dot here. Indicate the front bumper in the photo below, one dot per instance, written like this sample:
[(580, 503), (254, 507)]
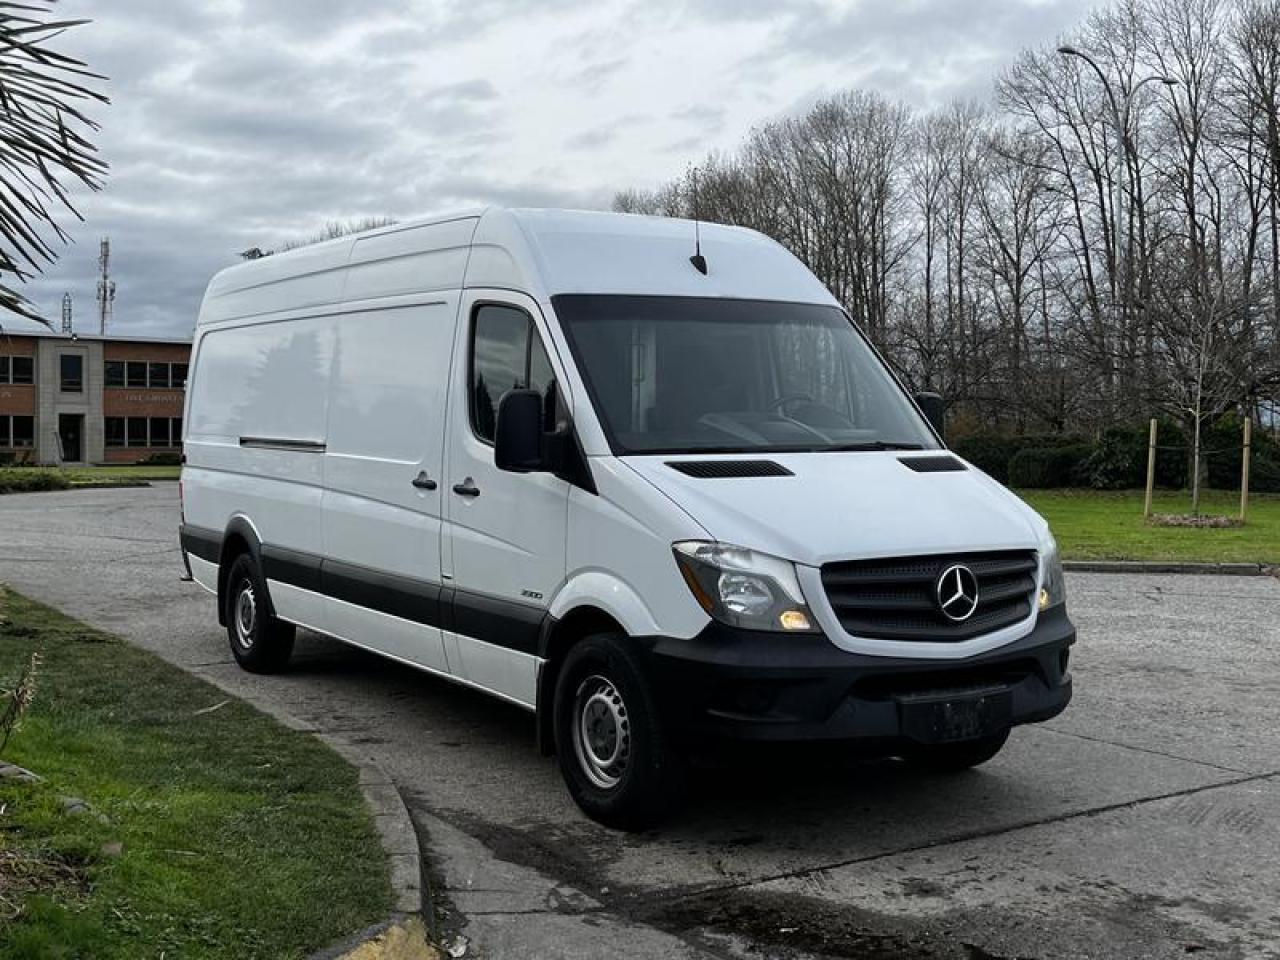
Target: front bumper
[(757, 686)]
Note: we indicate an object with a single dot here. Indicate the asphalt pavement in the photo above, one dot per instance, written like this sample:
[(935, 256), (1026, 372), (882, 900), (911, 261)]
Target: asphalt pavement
[(1142, 823)]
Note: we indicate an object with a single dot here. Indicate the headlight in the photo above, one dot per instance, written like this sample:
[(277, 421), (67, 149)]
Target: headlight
[(1054, 590), (744, 588)]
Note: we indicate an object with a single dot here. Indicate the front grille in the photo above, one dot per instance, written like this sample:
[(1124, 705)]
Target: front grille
[(896, 598)]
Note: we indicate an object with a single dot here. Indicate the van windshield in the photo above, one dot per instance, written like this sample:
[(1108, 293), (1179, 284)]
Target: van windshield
[(698, 375)]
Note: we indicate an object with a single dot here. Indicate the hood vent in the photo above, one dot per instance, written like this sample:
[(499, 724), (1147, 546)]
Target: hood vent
[(932, 464), (726, 469)]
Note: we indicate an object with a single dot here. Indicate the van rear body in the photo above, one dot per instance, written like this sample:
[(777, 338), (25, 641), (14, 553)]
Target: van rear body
[(544, 455)]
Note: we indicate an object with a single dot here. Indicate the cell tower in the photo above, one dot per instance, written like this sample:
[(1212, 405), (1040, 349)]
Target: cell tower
[(66, 314), (106, 286)]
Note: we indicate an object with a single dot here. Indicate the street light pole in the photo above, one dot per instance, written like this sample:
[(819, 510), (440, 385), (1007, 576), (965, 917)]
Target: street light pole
[(1123, 149)]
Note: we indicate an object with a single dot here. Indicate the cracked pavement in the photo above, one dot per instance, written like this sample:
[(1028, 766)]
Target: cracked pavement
[(1142, 823)]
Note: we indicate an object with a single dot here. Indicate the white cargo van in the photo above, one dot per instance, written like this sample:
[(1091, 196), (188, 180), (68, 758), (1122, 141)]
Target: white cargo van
[(658, 498)]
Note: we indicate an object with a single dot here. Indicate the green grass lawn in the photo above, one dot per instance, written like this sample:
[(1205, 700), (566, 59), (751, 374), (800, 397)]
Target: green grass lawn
[(30, 479), (239, 838), (1102, 525), (125, 472)]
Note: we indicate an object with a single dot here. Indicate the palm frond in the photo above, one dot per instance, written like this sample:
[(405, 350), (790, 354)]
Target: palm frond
[(45, 143)]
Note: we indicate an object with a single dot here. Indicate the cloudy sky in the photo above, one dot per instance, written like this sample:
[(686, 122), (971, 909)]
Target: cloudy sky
[(239, 123)]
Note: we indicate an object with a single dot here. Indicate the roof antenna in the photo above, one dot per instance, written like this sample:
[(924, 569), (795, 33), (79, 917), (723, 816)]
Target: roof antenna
[(698, 260)]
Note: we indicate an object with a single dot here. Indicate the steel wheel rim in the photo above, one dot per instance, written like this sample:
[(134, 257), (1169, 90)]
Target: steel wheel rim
[(246, 615), (601, 732)]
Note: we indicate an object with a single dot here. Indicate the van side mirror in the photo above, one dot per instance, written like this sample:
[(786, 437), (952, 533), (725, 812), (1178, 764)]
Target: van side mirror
[(517, 441), (934, 409)]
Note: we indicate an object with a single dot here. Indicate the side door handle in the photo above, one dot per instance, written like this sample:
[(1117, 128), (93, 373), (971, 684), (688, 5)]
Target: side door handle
[(423, 482), (467, 488)]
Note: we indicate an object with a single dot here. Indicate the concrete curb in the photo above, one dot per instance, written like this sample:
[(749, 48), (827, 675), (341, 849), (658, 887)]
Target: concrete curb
[(1143, 566), (403, 935)]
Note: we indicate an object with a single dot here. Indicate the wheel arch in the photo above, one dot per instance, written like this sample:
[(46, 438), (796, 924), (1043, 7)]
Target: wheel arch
[(240, 536), (559, 636)]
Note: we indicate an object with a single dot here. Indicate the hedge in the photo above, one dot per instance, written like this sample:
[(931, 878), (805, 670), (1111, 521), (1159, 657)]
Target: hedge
[(992, 453), (1044, 467), (1117, 459), (28, 480)]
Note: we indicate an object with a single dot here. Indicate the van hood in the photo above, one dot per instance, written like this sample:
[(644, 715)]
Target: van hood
[(847, 506)]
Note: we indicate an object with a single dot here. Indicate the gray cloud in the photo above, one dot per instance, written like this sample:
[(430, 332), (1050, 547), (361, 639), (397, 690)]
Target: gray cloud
[(591, 139), (238, 123)]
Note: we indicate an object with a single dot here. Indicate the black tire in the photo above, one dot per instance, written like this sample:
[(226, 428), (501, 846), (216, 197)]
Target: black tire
[(259, 642), (955, 757), (620, 769)]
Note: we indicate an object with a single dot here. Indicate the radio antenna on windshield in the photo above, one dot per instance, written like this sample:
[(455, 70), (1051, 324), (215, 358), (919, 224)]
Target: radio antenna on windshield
[(698, 260)]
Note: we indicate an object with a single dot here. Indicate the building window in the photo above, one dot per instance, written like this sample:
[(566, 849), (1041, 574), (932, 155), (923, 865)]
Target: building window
[(175, 431), (4, 431), (137, 431), (136, 374), (4, 369), (71, 367), (22, 369), (113, 431), (159, 375), (179, 376), (159, 432), (114, 373), (24, 431)]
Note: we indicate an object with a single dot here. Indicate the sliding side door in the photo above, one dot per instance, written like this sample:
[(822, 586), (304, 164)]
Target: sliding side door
[(384, 479)]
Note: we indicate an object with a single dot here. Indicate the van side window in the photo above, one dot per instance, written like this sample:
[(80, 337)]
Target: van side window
[(506, 354)]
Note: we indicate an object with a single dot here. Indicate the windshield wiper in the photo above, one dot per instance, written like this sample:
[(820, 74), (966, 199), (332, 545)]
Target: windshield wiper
[(873, 445)]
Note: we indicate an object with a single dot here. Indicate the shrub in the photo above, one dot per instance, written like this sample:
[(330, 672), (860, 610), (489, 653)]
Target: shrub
[(1223, 454), (989, 453), (162, 460), (1045, 467), (1118, 460), (993, 453), (27, 480)]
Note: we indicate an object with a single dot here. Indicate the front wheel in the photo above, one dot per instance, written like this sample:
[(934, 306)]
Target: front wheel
[(260, 642), (955, 757), (610, 741)]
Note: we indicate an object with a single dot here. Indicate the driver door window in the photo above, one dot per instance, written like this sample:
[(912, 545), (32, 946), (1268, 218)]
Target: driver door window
[(507, 354)]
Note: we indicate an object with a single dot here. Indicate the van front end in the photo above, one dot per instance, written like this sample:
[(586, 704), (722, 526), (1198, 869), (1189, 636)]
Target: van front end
[(732, 682)]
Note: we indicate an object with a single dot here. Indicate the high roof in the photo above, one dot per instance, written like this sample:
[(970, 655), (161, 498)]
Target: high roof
[(541, 252)]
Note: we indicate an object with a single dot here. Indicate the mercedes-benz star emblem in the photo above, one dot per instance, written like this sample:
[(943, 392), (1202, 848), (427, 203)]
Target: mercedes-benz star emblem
[(957, 593)]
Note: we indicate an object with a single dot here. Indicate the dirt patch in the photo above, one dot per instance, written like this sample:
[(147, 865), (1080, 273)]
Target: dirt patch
[(22, 874), (1200, 521)]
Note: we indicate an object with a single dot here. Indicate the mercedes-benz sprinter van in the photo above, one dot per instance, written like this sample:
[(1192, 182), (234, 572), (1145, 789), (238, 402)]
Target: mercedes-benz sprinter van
[(658, 496)]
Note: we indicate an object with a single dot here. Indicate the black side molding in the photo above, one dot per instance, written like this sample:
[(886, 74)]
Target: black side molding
[(516, 626), (292, 567), (199, 542), (502, 623), (403, 597)]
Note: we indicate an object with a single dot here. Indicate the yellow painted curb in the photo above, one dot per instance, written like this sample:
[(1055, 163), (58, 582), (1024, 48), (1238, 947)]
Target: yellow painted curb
[(400, 941)]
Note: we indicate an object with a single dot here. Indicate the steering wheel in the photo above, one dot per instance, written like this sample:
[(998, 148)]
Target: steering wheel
[(781, 403)]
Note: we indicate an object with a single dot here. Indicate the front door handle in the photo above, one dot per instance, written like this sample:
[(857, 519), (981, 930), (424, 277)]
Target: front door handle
[(467, 488), (424, 482)]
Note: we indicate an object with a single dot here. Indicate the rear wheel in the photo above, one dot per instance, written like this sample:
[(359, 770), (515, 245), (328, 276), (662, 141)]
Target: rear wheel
[(259, 642), (612, 747), (955, 757)]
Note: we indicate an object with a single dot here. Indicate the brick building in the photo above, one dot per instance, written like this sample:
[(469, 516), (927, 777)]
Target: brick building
[(83, 398)]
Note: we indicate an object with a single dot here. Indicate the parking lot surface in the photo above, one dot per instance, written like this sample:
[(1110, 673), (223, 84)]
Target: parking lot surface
[(1142, 823)]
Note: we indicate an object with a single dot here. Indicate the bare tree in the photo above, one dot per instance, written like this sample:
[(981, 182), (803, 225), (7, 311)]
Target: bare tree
[(1104, 245), (336, 229)]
